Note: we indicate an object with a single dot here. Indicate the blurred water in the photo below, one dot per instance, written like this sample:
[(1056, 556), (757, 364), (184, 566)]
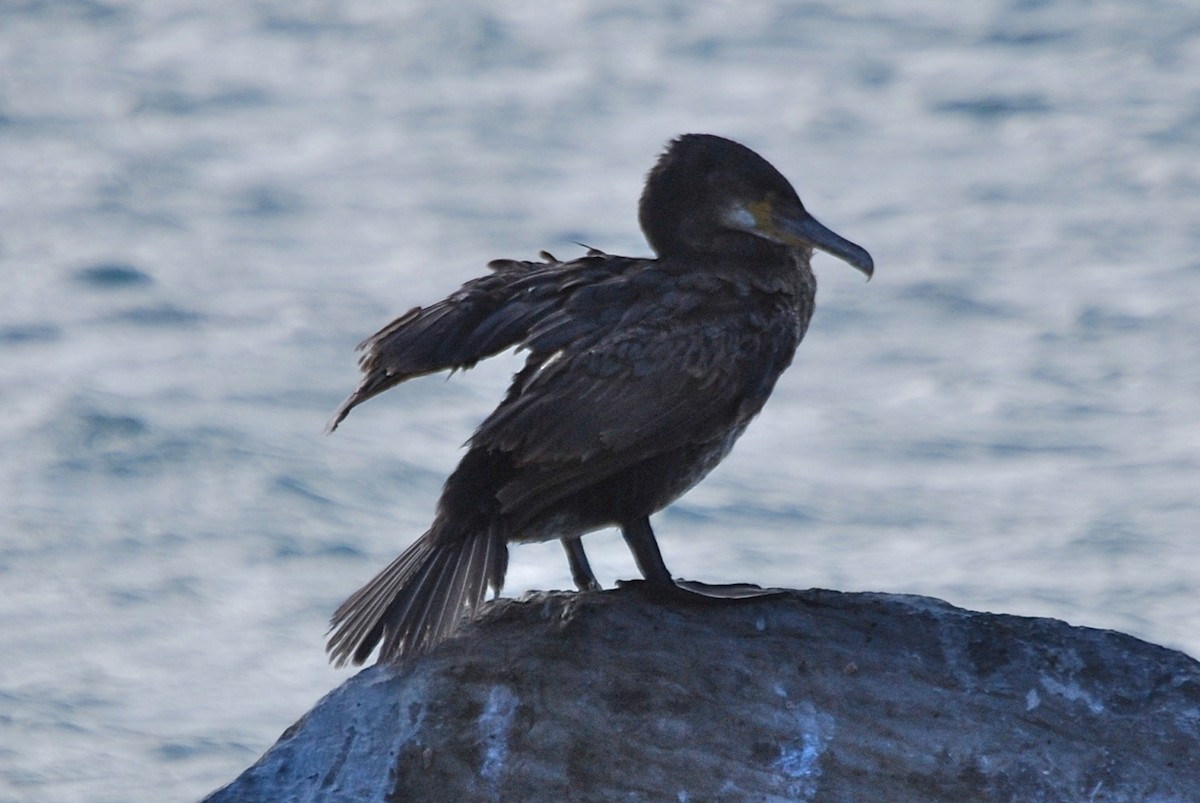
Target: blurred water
[(204, 207)]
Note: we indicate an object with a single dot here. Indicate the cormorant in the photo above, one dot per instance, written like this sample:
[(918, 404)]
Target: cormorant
[(641, 374)]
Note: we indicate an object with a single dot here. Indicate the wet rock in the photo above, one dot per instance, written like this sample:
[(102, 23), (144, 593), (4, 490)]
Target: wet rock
[(809, 695)]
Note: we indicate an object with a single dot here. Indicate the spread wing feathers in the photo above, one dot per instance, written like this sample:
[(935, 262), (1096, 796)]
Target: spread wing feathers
[(482, 318), (586, 413), (420, 597)]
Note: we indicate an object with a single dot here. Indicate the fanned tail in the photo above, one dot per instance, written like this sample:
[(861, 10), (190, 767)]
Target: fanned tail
[(419, 599)]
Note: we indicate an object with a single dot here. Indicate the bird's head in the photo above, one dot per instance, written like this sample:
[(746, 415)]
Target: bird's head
[(708, 194)]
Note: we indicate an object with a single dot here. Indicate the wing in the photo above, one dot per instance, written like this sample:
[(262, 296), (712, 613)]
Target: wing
[(684, 366), (482, 318)]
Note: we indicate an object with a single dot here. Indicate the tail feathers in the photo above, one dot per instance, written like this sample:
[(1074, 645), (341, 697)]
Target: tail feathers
[(420, 598)]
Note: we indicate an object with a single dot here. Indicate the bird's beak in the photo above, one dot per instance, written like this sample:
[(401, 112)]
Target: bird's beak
[(795, 227)]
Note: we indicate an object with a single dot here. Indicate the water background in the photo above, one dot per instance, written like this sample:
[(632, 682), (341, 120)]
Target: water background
[(203, 207)]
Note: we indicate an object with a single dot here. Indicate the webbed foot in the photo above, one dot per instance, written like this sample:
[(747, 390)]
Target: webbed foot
[(691, 592)]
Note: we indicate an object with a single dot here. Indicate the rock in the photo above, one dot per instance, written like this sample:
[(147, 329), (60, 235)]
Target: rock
[(808, 695)]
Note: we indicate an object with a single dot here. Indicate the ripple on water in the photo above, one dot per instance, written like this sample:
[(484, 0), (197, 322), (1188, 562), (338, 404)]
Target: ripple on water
[(954, 299), (29, 333), (122, 444), (159, 315), (990, 108), (1096, 321), (112, 276)]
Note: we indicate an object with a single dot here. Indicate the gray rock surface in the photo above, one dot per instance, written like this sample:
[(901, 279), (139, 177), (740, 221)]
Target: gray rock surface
[(810, 695)]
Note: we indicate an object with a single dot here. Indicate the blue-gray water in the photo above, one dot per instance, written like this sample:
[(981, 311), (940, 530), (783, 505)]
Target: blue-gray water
[(203, 207)]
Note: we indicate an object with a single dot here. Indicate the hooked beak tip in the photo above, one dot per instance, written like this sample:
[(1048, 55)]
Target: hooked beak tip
[(867, 266), (809, 231)]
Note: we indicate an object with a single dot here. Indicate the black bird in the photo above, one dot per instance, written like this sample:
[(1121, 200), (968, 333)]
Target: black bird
[(641, 374)]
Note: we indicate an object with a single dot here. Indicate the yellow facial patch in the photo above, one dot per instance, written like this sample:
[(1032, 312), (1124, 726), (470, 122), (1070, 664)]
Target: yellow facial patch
[(761, 211)]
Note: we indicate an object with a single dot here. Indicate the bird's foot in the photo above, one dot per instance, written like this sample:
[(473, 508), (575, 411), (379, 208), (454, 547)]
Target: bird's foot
[(729, 591), (691, 592)]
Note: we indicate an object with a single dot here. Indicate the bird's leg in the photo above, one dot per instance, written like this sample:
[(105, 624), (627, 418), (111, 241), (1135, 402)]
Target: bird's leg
[(581, 570), (640, 538)]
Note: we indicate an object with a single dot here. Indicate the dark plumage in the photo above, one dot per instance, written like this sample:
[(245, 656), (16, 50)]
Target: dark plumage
[(641, 374)]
